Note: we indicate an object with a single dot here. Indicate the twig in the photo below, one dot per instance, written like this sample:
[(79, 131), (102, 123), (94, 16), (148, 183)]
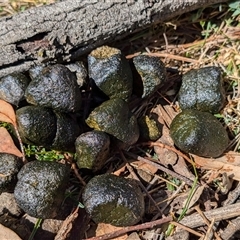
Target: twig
[(210, 232), (160, 167), (129, 167), (67, 225), (167, 181), (233, 226), (187, 229), (69, 159), (132, 228), (151, 144), (222, 213), (21, 144), (170, 199), (207, 222), (232, 196), (175, 57), (74, 168)]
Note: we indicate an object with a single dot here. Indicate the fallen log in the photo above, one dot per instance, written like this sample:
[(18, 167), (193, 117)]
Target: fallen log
[(66, 30)]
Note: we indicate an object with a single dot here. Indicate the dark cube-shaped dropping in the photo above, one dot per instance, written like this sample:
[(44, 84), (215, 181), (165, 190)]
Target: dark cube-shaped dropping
[(202, 89), (111, 72)]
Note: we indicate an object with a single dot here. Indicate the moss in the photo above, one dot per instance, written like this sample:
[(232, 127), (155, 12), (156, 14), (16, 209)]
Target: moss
[(149, 129), (104, 52)]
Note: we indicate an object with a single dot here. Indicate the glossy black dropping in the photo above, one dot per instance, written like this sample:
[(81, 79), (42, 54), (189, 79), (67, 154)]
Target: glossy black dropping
[(115, 200), (41, 187)]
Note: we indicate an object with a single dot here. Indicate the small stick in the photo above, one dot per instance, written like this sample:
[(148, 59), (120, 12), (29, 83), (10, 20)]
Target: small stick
[(232, 196), (207, 222), (232, 227), (175, 57), (69, 159), (129, 167), (167, 181), (74, 168), (151, 144), (210, 230), (160, 167), (67, 226), (170, 199), (132, 228), (222, 213), (187, 229)]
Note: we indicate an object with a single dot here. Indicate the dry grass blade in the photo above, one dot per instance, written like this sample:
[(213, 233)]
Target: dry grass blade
[(187, 229), (208, 223), (228, 163)]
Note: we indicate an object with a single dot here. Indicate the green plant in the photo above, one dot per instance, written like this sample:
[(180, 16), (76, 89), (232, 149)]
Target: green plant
[(186, 206), (42, 154), (234, 6), (6, 125), (173, 182), (36, 227)]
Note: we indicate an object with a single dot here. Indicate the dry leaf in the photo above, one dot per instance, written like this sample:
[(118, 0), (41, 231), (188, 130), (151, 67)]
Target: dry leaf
[(139, 165), (7, 113), (145, 167), (228, 163), (6, 143), (4, 118), (8, 234), (197, 194), (104, 228), (165, 115), (121, 170)]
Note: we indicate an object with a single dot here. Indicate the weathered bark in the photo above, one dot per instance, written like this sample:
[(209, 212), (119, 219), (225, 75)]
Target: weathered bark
[(65, 30)]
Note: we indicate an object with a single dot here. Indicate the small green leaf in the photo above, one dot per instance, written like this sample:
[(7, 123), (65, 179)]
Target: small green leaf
[(218, 115), (236, 12), (80, 205), (234, 4)]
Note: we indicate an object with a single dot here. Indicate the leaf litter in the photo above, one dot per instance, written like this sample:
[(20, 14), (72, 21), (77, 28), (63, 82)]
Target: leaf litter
[(7, 114), (162, 170), (6, 143), (213, 200)]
